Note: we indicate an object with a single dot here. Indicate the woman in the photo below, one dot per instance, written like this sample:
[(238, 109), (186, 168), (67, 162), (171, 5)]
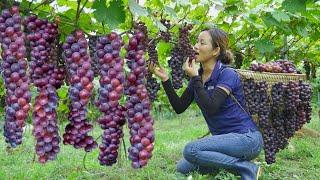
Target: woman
[(217, 90)]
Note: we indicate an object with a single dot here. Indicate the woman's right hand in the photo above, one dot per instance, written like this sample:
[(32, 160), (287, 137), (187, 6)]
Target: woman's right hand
[(158, 71)]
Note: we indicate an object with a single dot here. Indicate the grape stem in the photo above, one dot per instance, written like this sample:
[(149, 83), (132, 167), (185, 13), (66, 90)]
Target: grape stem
[(84, 161), (125, 149)]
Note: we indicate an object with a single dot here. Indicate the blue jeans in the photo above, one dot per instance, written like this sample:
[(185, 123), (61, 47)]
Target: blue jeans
[(231, 151)]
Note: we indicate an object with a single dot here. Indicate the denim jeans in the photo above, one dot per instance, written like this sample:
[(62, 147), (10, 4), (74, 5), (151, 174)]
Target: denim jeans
[(231, 152)]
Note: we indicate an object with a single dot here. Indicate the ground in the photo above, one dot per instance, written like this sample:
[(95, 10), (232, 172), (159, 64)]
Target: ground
[(301, 160)]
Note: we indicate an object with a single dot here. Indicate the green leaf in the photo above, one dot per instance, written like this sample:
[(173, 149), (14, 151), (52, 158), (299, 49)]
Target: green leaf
[(294, 5), (159, 24), (264, 46), (171, 12), (113, 15), (280, 16), (136, 9), (70, 4), (302, 31)]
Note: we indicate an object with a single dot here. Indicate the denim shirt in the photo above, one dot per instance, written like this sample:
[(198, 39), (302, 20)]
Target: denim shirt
[(230, 118)]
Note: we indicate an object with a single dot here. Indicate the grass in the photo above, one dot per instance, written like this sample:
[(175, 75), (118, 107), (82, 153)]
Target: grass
[(301, 160)]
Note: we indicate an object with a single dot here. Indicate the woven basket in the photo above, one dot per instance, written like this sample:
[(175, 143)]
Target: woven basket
[(270, 78)]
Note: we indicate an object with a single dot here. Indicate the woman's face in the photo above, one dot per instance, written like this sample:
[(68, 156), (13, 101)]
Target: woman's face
[(204, 47)]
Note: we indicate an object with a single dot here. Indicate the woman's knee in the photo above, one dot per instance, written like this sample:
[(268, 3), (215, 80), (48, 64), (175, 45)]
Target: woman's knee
[(189, 152), (184, 167)]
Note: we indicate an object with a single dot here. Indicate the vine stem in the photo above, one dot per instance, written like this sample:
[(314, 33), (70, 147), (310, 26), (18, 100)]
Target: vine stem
[(42, 3), (85, 155), (79, 10)]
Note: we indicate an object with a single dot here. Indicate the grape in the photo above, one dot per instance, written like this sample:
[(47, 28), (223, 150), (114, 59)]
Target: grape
[(152, 85), (112, 79), (14, 73), (165, 35), (47, 77), (45, 124), (80, 75), (138, 104), (180, 52), (280, 66), (277, 115), (92, 48), (42, 35)]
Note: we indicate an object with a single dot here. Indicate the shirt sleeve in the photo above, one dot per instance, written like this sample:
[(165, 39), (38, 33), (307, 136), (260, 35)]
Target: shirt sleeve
[(209, 104), (228, 79), (179, 104)]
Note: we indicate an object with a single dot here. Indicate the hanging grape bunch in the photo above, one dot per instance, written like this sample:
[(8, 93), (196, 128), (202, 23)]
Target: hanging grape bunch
[(80, 77), (112, 79), (47, 77), (304, 106), (152, 85), (252, 98), (15, 76), (268, 131), (182, 50), (138, 105), (165, 35), (277, 115), (291, 102), (45, 124), (92, 48)]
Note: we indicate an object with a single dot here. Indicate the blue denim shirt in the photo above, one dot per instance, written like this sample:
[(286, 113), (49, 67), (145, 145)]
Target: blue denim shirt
[(231, 118)]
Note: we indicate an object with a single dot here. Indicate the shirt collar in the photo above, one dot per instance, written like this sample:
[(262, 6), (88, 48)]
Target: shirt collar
[(215, 71)]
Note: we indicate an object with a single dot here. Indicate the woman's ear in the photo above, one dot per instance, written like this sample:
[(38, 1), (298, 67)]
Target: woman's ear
[(216, 51)]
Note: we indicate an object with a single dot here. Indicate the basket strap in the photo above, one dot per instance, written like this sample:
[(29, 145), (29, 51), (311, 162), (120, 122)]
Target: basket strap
[(231, 95)]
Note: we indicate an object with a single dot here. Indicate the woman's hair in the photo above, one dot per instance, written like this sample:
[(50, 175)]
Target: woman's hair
[(220, 39)]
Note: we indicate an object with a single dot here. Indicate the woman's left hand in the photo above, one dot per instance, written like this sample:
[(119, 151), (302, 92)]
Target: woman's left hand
[(190, 68)]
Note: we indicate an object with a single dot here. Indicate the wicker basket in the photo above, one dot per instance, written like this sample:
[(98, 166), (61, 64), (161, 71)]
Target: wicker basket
[(270, 78)]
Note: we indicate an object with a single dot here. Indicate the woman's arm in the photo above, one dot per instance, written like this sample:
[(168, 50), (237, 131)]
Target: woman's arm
[(207, 103), (179, 104)]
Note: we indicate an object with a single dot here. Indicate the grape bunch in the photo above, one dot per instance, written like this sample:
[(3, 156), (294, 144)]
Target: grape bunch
[(280, 66), (47, 77), (304, 107), (81, 76), (291, 103), (252, 98), (112, 78), (179, 54), (152, 85), (165, 35), (92, 49), (41, 36), (112, 124), (138, 105), (277, 115), (268, 131), (58, 75), (15, 76), (45, 124)]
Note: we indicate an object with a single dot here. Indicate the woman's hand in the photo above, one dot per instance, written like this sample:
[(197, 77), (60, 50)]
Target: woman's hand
[(190, 68), (158, 71)]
